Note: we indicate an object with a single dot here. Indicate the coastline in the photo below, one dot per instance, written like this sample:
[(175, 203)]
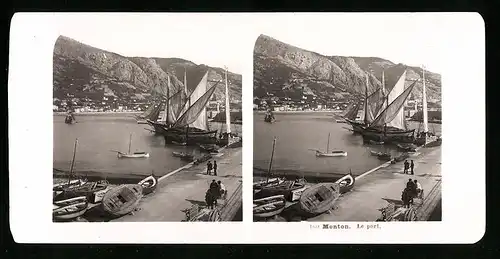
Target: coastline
[(291, 112), (95, 113)]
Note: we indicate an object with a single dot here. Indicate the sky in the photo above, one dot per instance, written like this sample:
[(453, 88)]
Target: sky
[(411, 39), (224, 39)]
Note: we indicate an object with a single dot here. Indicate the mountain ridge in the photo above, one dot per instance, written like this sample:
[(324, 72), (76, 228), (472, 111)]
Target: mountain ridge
[(286, 70), (85, 71)]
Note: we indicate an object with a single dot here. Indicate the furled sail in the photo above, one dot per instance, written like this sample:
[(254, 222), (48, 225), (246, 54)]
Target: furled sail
[(390, 113), (375, 102), (194, 112), (352, 112), (176, 103), (397, 90)]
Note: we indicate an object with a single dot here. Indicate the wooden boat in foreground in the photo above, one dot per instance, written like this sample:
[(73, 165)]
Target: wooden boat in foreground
[(319, 198), (148, 184), (70, 208), (286, 188), (269, 206), (122, 200), (92, 190), (269, 182), (346, 183)]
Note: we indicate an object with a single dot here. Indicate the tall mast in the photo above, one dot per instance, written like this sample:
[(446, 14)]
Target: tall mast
[(129, 143), (424, 102), (228, 111), (271, 162), (167, 105), (383, 88), (328, 143), (185, 82), (366, 101), (72, 162)]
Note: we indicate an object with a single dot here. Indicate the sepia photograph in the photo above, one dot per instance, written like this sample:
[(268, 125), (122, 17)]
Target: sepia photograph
[(346, 134), (145, 138)]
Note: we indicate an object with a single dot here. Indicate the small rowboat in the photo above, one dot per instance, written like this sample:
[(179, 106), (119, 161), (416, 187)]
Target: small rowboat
[(211, 148), (340, 121), (407, 147), (179, 143), (69, 209), (373, 142), (319, 198), (374, 153), (183, 156), (269, 206), (122, 199), (148, 184), (89, 190), (384, 156), (270, 182), (285, 188), (331, 154), (65, 185), (133, 155), (346, 183)]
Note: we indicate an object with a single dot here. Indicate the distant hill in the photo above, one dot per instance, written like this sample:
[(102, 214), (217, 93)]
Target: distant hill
[(286, 70), (84, 71)]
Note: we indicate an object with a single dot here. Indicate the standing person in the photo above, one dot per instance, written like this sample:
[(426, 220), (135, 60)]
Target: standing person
[(209, 200), (420, 191), (410, 185), (214, 191), (223, 191), (406, 167), (215, 168), (405, 197), (411, 166), (209, 168)]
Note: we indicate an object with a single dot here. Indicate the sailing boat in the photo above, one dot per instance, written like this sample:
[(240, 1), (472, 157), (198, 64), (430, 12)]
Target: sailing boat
[(152, 113), (131, 155), (191, 123), (390, 125), (330, 154), (425, 138), (228, 137), (59, 188)]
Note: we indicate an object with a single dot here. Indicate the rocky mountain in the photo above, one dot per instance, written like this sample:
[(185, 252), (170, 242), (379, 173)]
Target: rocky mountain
[(84, 71), (286, 70)]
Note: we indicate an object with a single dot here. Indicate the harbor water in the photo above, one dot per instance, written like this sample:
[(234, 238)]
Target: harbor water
[(99, 134), (297, 133)]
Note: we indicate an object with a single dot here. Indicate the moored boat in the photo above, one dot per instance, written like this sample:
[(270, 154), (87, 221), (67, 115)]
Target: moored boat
[(407, 147), (183, 155), (319, 198), (269, 206), (334, 153), (92, 190), (373, 142), (384, 156), (268, 182), (148, 184), (122, 200), (69, 209), (129, 154), (346, 183), (285, 188)]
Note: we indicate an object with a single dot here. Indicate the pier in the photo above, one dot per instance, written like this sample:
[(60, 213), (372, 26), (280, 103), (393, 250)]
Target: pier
[(181, 189), (383, 185)]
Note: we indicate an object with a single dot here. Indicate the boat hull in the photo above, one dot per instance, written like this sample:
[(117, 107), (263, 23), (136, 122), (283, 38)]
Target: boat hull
[(333, 154), (319, 198), (346, 183), (140, 155), (148, 184), (70, 209), (390, 136), (90, 190), (122, 200), (269, 206), (285, 188), (194, 136)]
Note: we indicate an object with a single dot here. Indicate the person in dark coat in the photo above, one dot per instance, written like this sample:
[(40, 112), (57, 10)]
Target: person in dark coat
[(214, 191), (405, 197), (215, 168), (209, 168), (406, 167), (410, 185), (411, 166), (209, 199)]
